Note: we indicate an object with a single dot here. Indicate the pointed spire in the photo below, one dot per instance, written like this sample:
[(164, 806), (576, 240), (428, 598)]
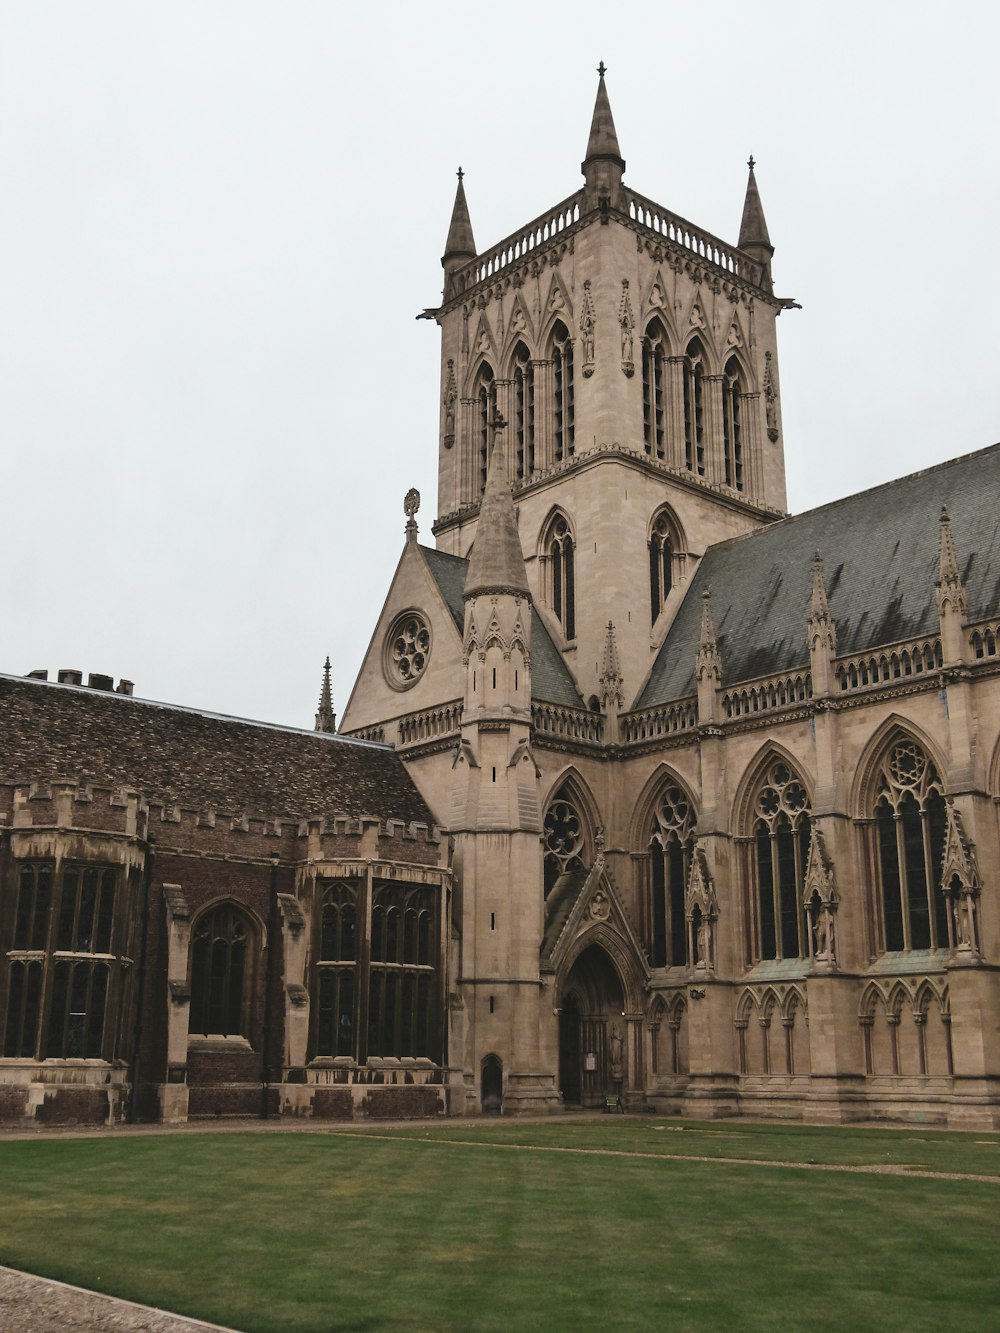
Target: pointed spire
[(821, 624), (497, 561), (952, 603), (603, 166), (822, 633), (709, 661), (753, 228), (950, 587), (603, 141), (326, 718), (460, 246), (611, 679)]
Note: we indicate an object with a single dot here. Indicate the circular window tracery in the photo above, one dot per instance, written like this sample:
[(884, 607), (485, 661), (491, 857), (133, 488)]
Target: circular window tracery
[(407, 650)]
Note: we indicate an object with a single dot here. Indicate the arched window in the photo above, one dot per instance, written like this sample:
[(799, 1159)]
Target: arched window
[(402, 985), (335, 973), (558, 550), (910, 823), (663, 550), (63, 977), (669, 864), (486, 410), (654, 351), (562, 838), (220, 974), (781, 828), (732, 425), (524, 412), (563, 407), (694, 408)]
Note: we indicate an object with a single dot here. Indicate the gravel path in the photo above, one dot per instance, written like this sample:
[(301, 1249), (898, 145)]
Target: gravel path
[(36, 1305)]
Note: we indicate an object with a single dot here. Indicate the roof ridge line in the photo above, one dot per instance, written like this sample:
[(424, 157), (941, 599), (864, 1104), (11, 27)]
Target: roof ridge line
[(777, 524), (90, 692)]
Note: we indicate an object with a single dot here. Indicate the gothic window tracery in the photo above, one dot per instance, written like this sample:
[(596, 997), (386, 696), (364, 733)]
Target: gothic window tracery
[(486, 411), (781, 830), (401, 983), (563, 838), (670, 849), (335, 974), (732, 424), (220, 973), (60, 962), (654, 353), (407, 650), (559, 551), (910, 825), (694, 407), (524, 412), (663, 553), (563, 389)]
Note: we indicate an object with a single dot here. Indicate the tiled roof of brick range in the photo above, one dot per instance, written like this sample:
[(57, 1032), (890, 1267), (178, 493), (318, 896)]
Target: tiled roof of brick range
[(880, 558), (550, 679), (179, 756)]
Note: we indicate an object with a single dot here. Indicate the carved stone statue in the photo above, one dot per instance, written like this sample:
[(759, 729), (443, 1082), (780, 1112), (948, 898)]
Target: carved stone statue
[(617, 1045)]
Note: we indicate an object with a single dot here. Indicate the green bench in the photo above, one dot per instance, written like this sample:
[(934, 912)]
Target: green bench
[(613, 1102)]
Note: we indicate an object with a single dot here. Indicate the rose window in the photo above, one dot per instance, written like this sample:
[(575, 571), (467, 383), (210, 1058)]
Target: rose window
[(408, 648)]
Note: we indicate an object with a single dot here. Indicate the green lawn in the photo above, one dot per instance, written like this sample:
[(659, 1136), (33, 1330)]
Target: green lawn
[(408, 1229)]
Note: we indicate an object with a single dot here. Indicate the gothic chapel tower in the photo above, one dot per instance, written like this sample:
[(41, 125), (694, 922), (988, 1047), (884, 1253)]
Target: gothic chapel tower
[(627, 361)]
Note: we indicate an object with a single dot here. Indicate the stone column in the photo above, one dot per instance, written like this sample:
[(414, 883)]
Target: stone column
[(174, 1093)]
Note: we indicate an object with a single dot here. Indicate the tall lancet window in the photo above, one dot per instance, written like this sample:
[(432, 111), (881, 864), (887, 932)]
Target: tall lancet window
[(524, 412), (486, 410), (669, 866), (563, 407), (653, 365), (664, 548), (781, 829), (732, 426), (694, 408), (558, 549), (911, 818)]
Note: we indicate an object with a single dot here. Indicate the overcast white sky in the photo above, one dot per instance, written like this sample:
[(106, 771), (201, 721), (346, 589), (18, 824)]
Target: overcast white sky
[(218, 221)]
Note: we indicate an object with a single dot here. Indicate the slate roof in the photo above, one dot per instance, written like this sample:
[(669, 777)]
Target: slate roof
[(551, 681), (880, 556), (198, 760)]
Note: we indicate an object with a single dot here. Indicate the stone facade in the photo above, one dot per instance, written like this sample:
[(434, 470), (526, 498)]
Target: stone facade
[(645, 788), (202, 917), (737, 851)]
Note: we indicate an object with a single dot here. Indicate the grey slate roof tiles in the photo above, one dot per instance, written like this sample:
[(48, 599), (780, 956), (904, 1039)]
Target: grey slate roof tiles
[(197, 760), (880, 556), (551, 681)]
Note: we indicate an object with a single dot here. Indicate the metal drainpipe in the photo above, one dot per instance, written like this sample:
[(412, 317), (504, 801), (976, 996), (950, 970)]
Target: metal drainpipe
[(140, 982), (273, 930)]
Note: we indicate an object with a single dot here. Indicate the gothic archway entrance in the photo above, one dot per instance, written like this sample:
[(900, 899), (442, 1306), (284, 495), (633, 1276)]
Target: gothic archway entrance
[(591, 1030), (491, 1090)]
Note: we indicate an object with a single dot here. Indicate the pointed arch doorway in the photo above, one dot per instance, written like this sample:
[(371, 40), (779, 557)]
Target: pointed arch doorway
[(591, 1030)]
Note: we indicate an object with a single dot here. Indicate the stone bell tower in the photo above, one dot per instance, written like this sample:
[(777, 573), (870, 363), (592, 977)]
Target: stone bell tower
[(507, 1041), (633, 357)]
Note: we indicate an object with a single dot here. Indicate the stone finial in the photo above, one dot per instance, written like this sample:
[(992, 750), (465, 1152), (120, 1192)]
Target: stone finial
[(822, 634), (460, 246), (411, 504), (611, 679), (709, 661), (708, 664), (753, 228), (326, 718), (951, 590), (822, 630), (603, 166)]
